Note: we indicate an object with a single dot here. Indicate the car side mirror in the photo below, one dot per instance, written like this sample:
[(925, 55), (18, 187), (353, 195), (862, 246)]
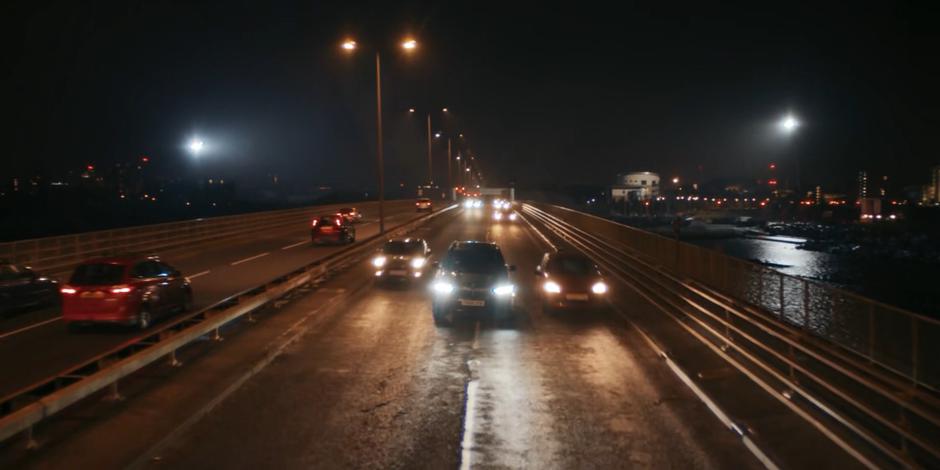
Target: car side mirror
[(512, 267)]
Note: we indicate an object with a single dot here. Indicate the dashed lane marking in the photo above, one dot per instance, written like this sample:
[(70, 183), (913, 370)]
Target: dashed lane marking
[(236, 263)]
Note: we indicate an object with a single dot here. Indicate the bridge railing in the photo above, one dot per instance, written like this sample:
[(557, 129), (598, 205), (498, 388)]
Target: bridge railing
[(899, 340), (59, 254), (747, 314)]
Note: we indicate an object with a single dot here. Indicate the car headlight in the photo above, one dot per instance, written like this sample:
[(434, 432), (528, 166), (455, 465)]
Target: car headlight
[(378, 261), (442, 287), (506, 205), (497, 215), (504, 289), (512, 216), (477, 204), (551, 287), (599, 288), (418, 263)]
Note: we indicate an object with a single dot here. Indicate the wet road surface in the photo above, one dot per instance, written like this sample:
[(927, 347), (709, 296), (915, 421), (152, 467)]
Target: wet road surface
[(379, 386)]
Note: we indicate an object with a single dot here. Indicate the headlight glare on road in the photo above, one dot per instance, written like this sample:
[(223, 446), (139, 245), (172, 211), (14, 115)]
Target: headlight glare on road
[(418, 263), (551, 287), (599, 288), (378, 261), (504, 289), (442, 287)]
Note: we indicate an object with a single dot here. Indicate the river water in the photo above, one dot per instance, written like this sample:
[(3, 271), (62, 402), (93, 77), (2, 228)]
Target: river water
[(904, 283)]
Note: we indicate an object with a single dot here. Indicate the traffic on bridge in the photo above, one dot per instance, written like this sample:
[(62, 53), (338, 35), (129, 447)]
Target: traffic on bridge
[(453, 236)]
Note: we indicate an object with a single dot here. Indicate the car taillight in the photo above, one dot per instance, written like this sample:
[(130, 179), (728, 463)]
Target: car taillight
[(68, 290), (121, 290)]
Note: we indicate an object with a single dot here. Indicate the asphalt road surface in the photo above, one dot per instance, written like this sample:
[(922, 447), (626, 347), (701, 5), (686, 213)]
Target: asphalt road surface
[(379, 386), (36, 345)]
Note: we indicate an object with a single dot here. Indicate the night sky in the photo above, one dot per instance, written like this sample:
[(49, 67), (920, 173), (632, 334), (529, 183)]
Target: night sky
[(544, 94)]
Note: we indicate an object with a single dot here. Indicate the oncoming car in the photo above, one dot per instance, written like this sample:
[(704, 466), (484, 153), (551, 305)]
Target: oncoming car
[(472, 203), (124, 290), (570, 280), (402, 259), (21, 288), (473, 276), (503, 215), (332, 228)]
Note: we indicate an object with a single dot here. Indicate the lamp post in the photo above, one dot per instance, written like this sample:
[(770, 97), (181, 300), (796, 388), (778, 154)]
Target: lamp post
[(350, 46), (788, 126)]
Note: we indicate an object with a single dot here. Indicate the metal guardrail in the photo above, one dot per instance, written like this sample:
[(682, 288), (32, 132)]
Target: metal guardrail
[(901, 341), (878, 408), (52, 394), (57, 254)]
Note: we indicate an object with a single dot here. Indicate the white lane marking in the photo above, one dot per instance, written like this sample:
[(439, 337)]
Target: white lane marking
[(236, 263), (194, 276), (30, 327), (294, 245), (466, 445)]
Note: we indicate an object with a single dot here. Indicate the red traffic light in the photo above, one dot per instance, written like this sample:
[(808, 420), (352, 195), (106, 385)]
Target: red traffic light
[(90, 168)]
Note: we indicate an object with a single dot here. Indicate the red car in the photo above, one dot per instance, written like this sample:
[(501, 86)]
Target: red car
[(332, 229), (124, 290)]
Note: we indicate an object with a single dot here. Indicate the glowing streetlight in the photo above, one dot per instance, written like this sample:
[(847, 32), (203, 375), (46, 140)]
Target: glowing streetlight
[(196, 146), (349, 45), (437, 135), (789, 124), (409, 44), (445, 110), (411, 110), (675, 180)]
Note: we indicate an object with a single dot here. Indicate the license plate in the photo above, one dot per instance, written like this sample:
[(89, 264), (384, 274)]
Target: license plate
[(472, 303), (93, 295), (326, 229), (398, 272), (576, 296)]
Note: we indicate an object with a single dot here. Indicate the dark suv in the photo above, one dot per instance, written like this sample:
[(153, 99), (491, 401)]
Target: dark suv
[(332, 228), (472, 276), (21, 288)]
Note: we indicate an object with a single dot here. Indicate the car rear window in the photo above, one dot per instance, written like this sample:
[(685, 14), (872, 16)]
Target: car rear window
[(328, 220), (98, 274), (401, 248), (571, 265)]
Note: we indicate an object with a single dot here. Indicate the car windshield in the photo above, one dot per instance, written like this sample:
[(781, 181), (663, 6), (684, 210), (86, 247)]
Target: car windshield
[(98, 274), (484, 258), (571, 266), (401, 248)]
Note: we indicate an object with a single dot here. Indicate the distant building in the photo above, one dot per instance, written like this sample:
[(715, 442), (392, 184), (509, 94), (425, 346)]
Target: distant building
[(862, 185), (638, 186), (870, 209)]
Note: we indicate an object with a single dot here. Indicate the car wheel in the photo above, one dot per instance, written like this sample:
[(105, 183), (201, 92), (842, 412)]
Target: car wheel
[(187, 301), (144, 318), (440, 316)]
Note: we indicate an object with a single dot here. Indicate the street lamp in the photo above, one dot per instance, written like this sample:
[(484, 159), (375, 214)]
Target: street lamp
[(350, 46), (196, 146)]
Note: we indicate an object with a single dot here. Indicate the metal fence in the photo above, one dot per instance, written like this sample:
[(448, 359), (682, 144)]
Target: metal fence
[(901, 341)]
